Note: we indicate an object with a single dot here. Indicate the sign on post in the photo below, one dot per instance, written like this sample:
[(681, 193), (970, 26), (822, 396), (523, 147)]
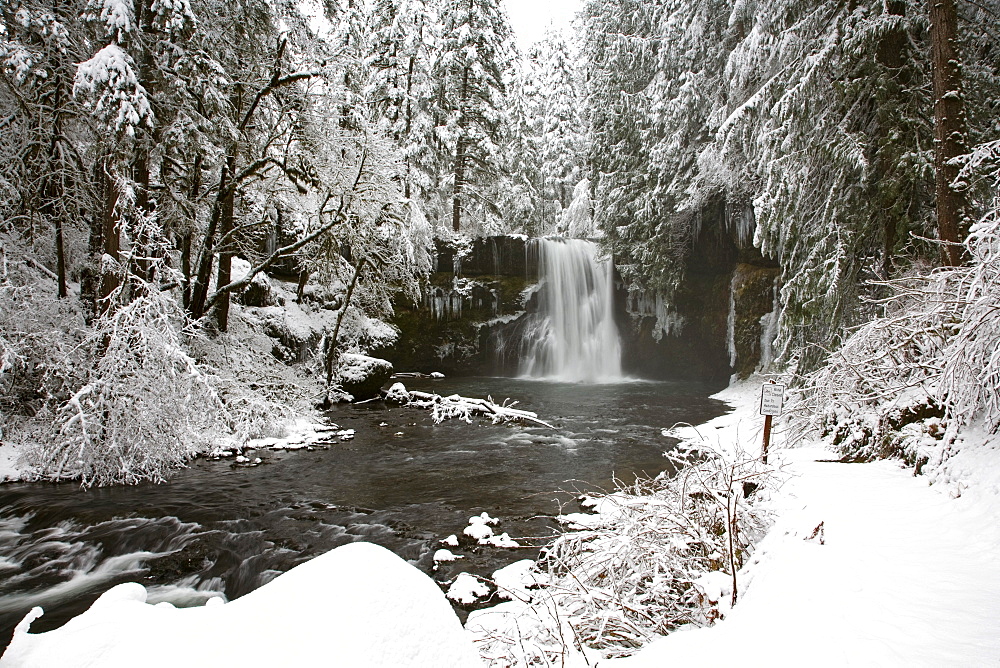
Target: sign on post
[(771, 398)]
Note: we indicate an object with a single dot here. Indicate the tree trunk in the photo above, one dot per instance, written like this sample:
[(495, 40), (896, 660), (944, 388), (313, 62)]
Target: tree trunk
[(90, 274), (891, 55), (110, 236), (331, 346), (411, 68), (187, 237), (50, 190), (226, 250), (60, 259), (143, 242), (460, 149), (950, 135), (199, 292), (186, 269), (143, 250)]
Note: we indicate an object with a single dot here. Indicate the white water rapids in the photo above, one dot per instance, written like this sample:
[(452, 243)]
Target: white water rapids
[(574, 337)]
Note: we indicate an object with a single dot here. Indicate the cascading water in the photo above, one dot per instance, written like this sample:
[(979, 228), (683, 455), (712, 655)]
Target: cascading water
[(573, 336)]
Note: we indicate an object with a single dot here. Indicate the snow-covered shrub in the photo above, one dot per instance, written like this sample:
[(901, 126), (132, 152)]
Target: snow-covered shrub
[(933, 354), (41, 361), (147, 405), (657, 555), (971, 371), (886, 370), (249, 415)]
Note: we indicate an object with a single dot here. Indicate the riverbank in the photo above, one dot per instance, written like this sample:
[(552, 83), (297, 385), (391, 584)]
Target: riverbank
[(866, 564)]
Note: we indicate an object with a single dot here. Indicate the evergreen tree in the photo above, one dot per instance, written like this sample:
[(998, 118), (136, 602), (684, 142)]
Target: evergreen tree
[(45, 192), (521, 201), (471, 74), (401, 90), (559, 124), (813, 119)]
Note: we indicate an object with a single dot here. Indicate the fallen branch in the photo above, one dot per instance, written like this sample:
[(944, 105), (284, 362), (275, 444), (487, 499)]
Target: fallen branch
[(444, 408)]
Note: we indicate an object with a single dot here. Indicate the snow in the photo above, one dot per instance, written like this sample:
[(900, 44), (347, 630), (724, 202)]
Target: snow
[(9, 469), (356, 368), (467, 589), (397, 393), (110, 75), (484, 518), (358, 605), (514, 581), (463, 408), (479, 532), (445, 555), (865, 565), (301, 433)]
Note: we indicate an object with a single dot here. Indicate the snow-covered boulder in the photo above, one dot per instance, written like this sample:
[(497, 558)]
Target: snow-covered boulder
[(259, 292), (358, 605), (363, 376), (467, 589), (397, 394), (297, 329)]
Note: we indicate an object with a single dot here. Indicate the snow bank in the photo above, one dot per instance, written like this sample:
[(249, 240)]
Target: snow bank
[(467, 589), (865, 565), (358, 605), (10, 470)]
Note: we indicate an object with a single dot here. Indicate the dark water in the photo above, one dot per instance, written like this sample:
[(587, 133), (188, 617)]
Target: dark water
[(403, 482)]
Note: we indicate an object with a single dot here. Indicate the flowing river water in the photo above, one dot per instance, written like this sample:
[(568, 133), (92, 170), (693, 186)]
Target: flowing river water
[(403, 482)]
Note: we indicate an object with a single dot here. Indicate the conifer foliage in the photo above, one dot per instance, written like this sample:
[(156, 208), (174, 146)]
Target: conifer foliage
[(811, 121)]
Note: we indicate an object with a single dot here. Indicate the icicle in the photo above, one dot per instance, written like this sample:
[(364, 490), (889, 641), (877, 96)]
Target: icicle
[(769, 329), (731, 323)]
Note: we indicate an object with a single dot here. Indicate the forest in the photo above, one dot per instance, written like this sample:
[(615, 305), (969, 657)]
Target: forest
[(164, 164), (146, 145)]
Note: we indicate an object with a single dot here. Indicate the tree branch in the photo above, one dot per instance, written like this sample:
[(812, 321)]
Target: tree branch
[(291, 248)]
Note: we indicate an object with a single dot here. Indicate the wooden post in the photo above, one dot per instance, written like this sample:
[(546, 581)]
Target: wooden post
[(767, 434), (771, 398)]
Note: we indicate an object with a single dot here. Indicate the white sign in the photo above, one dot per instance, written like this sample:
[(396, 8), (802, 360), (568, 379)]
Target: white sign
[(771, 398)]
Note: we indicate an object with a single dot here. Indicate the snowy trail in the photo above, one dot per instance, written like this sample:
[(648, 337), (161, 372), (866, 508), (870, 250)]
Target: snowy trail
[(907, 577)]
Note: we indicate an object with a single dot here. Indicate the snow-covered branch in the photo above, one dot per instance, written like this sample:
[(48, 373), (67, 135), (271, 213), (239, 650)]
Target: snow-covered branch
[(454, 406), (653, 556)]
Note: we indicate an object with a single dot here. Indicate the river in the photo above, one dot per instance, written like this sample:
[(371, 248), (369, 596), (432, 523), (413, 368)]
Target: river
[(402, 482)]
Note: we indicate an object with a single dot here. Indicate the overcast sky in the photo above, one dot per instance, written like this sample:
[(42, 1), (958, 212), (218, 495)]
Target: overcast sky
[(530, 18)]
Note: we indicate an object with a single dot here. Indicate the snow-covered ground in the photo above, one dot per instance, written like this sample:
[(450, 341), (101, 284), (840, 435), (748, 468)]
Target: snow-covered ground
[(356, 606), (901, 572), (865, 565)]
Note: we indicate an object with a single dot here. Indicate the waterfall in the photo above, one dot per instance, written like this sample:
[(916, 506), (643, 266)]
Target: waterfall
[(573, 336)]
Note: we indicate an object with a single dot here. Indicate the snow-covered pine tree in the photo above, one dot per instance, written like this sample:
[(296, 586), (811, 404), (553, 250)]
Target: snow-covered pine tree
[(653, 71), (403, 36), (560, 122), (124, 82), (827, 115), (44, 181), (817, 114), (520, 200), (471, 74)]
